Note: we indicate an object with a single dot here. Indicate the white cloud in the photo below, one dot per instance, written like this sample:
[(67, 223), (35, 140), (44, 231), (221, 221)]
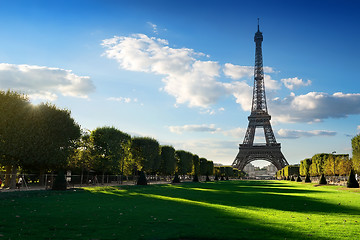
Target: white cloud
[(194, 82), (271, 84), (218, 151), (236, 132), (154, 27), (314, 106), (122, 99), (286, 133), (237, 72), (292, 83), (188, 79), (194, 128), (242, 92), (41, 82)]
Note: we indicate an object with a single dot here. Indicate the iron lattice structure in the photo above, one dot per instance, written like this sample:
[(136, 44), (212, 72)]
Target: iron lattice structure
[(259, 118)]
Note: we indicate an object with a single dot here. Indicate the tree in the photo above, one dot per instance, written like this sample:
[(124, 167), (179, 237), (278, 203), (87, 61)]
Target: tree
[(108, 151), (355, 143), (81, 157), (14, 109), (344, 166), (203, 166), (146, 152), (305, 167), (37, 138), (196, 163), (210, 168), (185, 163), (168, 160), (53, 135)]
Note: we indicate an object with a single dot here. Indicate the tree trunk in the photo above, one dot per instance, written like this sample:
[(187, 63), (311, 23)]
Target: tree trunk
[(7, 176), (103, 178), (13, 177), (41, 178), (82, 176)]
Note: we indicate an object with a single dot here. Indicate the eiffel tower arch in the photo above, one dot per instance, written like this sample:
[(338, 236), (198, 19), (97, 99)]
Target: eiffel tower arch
[(259, 118)]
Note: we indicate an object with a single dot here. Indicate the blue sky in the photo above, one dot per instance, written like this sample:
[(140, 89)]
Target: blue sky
[(181, 71)]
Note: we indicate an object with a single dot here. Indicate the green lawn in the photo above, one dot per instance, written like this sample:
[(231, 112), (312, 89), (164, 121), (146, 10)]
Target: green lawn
[(214, 210)]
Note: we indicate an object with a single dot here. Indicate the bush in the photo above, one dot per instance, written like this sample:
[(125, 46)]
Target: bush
[(322, 180), (298, 179), (292, 178), (176, 179), (196, 178), (60, 183), (352, 182), (142, 179), (307, 179)]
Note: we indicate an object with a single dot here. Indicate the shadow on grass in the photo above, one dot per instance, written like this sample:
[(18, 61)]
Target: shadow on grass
[(183, 218), (215, 210), (228, 207), (253, 194)]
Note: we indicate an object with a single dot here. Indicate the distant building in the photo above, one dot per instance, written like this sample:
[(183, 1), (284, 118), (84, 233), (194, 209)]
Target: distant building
[(255, 172)]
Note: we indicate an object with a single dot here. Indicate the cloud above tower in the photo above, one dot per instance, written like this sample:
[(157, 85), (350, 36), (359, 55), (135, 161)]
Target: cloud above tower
[(192, 79)]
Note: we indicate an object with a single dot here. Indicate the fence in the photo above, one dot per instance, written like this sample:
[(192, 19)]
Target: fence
[(45, 181)]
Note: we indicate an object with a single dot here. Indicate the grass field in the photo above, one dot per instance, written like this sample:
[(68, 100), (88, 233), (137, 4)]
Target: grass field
[(214, 210)]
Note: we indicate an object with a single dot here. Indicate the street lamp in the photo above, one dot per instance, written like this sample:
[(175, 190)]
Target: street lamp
[(334, 163)]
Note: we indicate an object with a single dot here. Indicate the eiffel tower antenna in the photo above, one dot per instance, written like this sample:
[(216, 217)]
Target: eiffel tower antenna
[(259, 118)]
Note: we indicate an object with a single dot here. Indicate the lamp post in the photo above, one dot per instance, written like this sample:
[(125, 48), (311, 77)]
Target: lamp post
[(334, 163)]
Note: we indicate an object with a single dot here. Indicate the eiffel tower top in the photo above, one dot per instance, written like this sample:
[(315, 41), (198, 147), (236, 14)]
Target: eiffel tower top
[(259, 105)]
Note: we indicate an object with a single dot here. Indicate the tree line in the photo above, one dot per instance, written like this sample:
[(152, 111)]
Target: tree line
[(326, 164), (43, 139)]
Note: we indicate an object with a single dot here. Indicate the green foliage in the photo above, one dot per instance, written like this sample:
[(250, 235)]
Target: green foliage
[(146, 151), (168, 160), (203, 166), (14, 112), (322, 179), (196, 163), (108, 151), (185, 162), (60, 183), (355, 143), (291, 170), (228, 171), (352, 182), (305, 167), (142, 179), (37, 138)]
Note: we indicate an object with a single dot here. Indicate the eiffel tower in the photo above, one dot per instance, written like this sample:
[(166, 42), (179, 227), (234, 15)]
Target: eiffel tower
[(259, 118)]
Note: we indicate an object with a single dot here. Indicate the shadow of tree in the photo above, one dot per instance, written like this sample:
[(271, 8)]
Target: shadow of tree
[(219, 210)]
